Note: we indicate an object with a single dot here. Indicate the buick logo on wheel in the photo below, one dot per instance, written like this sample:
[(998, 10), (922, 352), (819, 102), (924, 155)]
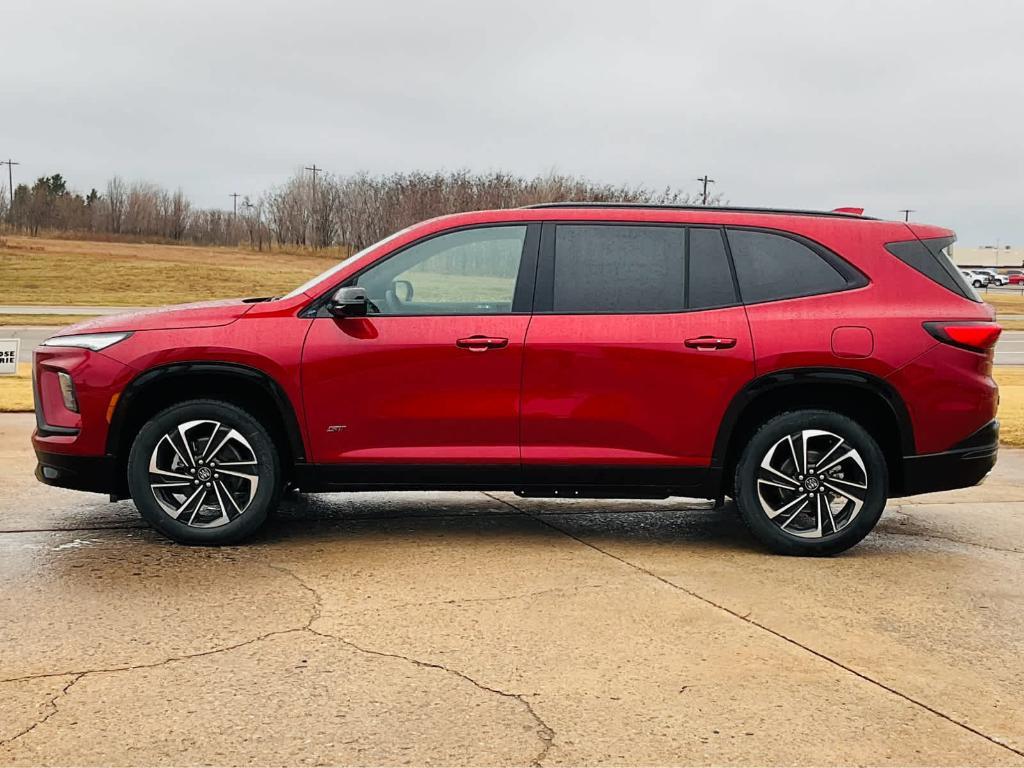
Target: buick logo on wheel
[(204, 474), (811, 483)]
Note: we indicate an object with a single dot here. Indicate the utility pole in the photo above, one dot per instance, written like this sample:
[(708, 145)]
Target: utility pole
[(10, 178), (248, 206), (316, 228), (315, 171), (906, 213), (704, 195), (234, 204)]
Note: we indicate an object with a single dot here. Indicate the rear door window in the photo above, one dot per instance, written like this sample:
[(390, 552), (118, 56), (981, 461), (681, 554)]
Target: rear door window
[(709, 277), (609, 268), (772, 266)]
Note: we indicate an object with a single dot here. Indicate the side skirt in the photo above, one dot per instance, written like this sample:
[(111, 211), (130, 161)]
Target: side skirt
[(573, 481)]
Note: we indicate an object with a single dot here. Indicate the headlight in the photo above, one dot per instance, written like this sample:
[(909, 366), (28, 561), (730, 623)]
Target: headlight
[(93, 341)]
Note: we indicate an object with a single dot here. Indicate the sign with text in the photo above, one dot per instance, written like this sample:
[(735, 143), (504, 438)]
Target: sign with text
[(9, 356)]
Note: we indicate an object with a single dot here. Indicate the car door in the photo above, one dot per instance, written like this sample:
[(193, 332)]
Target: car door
[(637, 346), (431, 375)]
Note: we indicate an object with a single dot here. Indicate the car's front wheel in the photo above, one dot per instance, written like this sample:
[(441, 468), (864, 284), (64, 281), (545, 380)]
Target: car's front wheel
[(204, 472), (811, 483)]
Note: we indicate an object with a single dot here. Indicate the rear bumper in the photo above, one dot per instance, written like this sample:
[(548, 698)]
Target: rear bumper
[(962, 466), (79, 473)]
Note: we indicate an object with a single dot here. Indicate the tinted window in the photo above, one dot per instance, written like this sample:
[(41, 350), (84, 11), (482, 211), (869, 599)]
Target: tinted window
[(770, 266), (931, 258), (613, 268), (710, 277), (469, 272)]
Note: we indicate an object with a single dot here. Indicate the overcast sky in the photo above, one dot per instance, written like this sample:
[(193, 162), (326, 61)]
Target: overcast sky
[(887, 105)]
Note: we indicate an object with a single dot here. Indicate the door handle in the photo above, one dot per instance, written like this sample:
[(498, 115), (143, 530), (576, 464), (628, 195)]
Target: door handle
[(481, 343), (710, 342)]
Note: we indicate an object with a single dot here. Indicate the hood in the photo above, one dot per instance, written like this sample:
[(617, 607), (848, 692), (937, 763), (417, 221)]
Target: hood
[(201, 314)]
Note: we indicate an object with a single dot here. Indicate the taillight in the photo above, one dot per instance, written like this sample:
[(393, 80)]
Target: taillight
[(977, 337)]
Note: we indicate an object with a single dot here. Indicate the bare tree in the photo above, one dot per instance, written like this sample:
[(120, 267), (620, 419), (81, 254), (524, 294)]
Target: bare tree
[(350, 212), (116, 203)]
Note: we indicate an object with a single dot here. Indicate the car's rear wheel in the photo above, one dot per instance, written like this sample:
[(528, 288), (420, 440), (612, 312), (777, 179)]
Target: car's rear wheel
[(811, 483), (204, 472)]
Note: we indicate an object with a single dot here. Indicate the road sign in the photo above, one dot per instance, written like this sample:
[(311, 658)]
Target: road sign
[(9, 356)]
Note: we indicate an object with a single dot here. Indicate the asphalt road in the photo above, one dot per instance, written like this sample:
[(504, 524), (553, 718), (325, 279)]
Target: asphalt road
[(487, 629), (1009, 349)]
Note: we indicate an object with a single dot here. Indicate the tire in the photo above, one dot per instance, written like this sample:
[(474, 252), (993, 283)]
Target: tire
[(190, 496), (978, 284), (827, 522)]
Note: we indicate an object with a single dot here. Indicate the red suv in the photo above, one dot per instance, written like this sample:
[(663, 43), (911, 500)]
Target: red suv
[(808, 365)]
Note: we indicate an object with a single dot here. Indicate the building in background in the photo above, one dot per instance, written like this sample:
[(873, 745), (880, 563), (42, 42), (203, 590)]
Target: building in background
[(988, 256)]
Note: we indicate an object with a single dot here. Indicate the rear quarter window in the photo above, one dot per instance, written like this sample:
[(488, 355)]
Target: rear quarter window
[(931, 258), (773, 266)]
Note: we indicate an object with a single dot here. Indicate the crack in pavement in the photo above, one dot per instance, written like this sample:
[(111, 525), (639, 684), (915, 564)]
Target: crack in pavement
[(78, 675), (151, 665), (544, 732), (753, 622), (54, 708)]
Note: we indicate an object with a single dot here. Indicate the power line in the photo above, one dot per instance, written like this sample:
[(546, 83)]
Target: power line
[(704, 195), (10, 178), (906, 213), (234, 204)]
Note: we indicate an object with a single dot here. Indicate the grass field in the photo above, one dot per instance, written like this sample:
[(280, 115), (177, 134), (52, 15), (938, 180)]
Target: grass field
[(1011, 404), (1005, 303), (71, 272), (54, 320), (16, 391)]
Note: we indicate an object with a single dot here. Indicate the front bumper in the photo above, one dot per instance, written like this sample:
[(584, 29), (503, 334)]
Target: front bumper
[(80, 473), (964, 465)]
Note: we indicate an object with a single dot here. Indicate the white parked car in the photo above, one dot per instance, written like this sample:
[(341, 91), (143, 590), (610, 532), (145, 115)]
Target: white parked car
[(977, 278), (997, 279)]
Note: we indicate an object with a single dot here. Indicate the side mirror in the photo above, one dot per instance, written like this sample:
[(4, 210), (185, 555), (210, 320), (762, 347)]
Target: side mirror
[(348, 302)]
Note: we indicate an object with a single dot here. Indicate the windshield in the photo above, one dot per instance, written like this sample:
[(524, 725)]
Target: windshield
[(342, 264)]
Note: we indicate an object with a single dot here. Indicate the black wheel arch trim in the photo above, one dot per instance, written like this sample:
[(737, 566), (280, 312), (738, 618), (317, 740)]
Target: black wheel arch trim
[(147, 378), (813, 375)]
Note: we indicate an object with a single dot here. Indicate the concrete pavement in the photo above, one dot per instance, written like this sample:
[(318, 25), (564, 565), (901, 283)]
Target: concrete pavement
[(1010, 348), (486, 629)]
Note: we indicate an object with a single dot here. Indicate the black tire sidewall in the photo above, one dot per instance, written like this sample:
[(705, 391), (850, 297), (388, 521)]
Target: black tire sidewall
[(269, 466), (775, 429)]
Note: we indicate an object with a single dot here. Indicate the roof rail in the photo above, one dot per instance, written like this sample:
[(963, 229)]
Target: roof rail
[(842, 214)]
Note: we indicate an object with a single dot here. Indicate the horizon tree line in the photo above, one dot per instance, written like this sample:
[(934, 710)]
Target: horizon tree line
[(348, 211)]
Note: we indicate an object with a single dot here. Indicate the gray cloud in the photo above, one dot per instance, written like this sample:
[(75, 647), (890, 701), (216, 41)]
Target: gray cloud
[(811, 104)]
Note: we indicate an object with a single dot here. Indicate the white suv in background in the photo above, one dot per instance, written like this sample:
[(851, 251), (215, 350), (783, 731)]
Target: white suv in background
[(997, 278), (977, 278)]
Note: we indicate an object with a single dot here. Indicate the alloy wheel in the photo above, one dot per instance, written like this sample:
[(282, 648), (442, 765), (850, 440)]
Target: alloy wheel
[(203, 473), (812, 483)]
